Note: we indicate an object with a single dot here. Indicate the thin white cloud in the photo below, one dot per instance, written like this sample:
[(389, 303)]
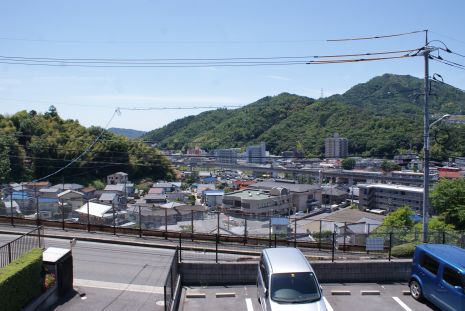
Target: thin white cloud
[(281, 78)]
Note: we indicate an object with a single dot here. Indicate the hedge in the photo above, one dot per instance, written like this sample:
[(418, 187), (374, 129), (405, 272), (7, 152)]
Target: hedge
[(403, 250), (21, 281)]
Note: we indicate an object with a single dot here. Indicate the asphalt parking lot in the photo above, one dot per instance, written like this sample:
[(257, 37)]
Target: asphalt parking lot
[(363, 296)]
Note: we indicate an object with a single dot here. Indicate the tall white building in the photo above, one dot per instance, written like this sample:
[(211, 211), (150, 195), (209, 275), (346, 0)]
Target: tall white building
[(336, 147), (226, 156)]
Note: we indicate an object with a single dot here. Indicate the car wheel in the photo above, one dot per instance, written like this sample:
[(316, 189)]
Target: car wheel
[(415, 290)]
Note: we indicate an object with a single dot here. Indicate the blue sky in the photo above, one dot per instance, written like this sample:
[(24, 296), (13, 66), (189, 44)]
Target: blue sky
[(205, 29)]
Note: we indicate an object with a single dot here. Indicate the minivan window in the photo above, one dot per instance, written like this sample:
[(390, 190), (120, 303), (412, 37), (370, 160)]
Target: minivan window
[(298, 287), (452, 277), (264, 273), (430, 264)]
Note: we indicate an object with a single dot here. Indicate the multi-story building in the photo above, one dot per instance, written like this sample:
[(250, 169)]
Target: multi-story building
[(256, 153), (259, 202), (336, 147), (117, 178), (226, 156), (389, 197)]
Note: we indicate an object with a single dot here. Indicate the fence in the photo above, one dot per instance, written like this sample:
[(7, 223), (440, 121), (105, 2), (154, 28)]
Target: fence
[(16, 248), (169, 288), (217, 236)]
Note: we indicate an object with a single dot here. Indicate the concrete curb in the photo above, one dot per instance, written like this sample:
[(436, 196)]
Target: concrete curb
[(340, 292), (370, 292)]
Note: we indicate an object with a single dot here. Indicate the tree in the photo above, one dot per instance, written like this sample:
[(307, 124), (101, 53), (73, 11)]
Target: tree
[(448, 200), (436, 224), (389, 166), (348, 163), (400, 218)]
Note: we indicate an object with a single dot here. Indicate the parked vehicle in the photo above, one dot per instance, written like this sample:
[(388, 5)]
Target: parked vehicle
[(438, 275), (286, 281)]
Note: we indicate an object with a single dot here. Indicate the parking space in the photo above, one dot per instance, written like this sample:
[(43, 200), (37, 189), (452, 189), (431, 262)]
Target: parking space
[(382, 297), (363, 296)]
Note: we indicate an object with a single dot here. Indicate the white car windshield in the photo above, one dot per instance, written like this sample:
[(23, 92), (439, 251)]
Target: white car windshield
[(300, 287)]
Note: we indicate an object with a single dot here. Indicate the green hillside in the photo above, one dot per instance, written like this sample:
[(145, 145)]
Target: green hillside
[(380, 118), (34, 145)]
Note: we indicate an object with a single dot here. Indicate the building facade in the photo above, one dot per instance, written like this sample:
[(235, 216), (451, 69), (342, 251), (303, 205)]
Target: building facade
[(389, 197), (336, 147), (226, 156), (257, 153), (259, 202)]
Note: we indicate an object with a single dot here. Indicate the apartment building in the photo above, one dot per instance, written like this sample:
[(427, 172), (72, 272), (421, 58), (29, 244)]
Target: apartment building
[(336, 147), (259, 202), (256, 154), (389, 197), (226, 156)]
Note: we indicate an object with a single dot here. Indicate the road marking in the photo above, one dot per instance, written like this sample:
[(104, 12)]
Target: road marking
[(402, 304), (328, 306), (248, 302), (119, 286)]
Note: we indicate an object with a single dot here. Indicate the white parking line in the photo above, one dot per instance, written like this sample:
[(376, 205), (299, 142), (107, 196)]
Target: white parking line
[(328, 306), (119, 286), (402, 304), (248, 302)]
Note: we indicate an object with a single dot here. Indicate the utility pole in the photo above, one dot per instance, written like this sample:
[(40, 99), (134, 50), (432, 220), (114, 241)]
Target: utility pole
[(426, 142)]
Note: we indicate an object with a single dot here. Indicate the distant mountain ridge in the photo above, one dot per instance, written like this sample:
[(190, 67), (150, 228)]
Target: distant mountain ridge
[(381, 117), (129, 133)]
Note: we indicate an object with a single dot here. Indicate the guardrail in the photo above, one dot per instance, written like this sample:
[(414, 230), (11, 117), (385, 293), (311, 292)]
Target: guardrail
[(19, 246), (172, 282)]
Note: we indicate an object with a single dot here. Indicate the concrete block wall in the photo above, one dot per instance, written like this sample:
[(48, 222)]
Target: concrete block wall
[(199, 274)]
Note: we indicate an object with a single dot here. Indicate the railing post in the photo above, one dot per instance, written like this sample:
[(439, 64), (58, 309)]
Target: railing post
[(164, 295), (216, 248), (319, 239), (334, 246), (180, 247), (275, 240), (88, 217), (443, 236), (345, 231), (9, 252), (114, 217), (390, 245), (269, 233), (192, 225), (38, 234), (218, 222), (62, 214), (295, 233), (245, 230), (166, 223), (140, 223)]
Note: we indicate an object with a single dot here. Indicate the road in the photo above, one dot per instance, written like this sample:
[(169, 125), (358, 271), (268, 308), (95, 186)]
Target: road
[(114, 277)]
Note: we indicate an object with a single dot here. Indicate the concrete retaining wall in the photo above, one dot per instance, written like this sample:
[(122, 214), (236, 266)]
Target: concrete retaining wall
[(199, 274)]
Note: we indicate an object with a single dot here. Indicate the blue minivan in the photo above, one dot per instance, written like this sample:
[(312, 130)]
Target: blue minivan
[(438, 275)]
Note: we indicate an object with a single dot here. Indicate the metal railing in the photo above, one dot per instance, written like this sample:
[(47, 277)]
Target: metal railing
[(16, 248), (169, 288)]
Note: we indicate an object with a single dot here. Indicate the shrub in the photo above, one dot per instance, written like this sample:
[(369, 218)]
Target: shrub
[(21, 281), (403, 250)]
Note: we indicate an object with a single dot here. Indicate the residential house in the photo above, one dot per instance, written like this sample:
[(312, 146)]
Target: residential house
[(117, 178), (213, 198), (109, 198), (97, 213), (63, 187), (49, 192), (71, 198)]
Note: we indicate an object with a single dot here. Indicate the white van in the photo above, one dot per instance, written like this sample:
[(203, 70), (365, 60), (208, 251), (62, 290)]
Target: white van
[(286, 281)]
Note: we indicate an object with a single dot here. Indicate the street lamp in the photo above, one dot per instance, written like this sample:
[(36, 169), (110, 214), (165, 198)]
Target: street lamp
[(426, 178)]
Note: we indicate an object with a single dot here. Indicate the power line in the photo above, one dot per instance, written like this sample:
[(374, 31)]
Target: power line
[(341, 61), (376, 37), (448, 62), (447, 36), (179, 62), (83, 153)]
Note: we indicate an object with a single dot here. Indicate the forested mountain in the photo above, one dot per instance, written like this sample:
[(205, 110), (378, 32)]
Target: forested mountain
[(129, 133), (380, 118), (33, 145)]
